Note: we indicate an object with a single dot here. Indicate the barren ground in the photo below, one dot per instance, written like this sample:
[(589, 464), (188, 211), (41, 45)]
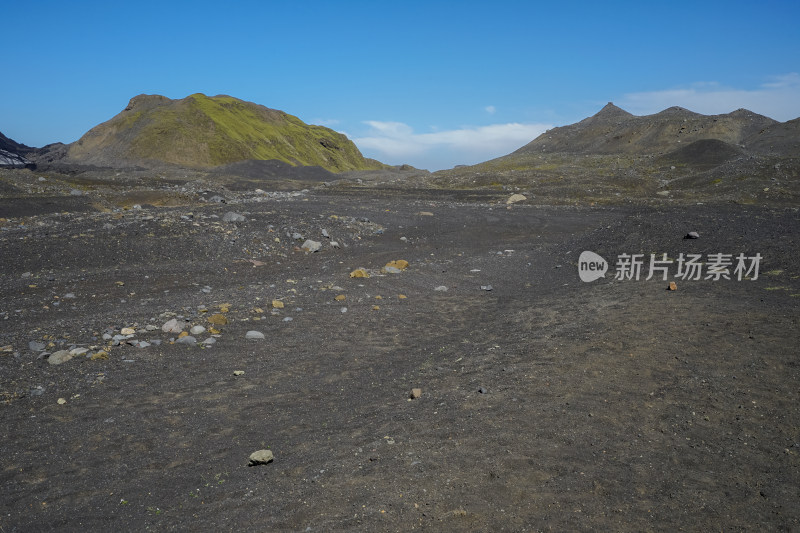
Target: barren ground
[(547, 403)]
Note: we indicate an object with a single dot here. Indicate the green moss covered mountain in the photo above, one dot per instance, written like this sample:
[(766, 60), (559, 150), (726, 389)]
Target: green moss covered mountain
[(203, 132)]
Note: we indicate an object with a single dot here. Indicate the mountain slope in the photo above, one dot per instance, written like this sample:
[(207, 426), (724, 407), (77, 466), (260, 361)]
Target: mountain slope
[(12, 154), (203, 132), (614, 131), (673, 155)]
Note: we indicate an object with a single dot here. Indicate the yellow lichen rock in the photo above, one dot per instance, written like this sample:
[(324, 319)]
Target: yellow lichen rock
[(359, 273)]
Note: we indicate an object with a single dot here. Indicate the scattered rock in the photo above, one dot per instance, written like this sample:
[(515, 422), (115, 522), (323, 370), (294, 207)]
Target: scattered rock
[(218, 319), (36, 346), (61, 401), (261, 457), (359, 273), (692, 235), (311, 246), (415, 393), (197, 330), (400, 264), (441, 288), (254, 335), (486, 287), (78, 351), (514, 198), (391, 270), (277, 304), (482, 390), (672, 286), (59, 357), (230, 216), (188, 340), (127, 331), (238, 372), (172, 326)]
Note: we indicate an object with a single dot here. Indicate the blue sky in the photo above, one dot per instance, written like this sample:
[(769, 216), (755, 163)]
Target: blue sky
[(432, 84)]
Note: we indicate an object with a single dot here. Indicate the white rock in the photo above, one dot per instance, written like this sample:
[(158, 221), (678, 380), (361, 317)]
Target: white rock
[(197, 330), (261, 457), (311, 246), (61, 356), (172, 326), (230, 216), (255, 335)]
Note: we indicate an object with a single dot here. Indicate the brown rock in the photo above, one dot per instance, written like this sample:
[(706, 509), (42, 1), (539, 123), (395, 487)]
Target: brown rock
[(218, 319), (400, 264), (673, 286), (359, 273), (415, 393)]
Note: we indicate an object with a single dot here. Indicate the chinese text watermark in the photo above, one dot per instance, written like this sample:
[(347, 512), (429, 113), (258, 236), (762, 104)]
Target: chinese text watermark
[(687, 267)]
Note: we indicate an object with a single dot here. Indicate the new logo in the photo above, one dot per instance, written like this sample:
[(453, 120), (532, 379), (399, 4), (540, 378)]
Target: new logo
[(591, 266)]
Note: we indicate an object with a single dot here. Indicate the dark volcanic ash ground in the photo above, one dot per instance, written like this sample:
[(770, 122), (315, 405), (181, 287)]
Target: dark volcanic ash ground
[(546, 403)]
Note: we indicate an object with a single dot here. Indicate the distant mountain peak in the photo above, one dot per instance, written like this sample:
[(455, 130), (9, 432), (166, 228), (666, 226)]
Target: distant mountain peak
[(610, 110), (677, 112)]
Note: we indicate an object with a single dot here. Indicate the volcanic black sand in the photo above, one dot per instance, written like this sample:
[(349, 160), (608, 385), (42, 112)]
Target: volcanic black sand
[(547, 403)]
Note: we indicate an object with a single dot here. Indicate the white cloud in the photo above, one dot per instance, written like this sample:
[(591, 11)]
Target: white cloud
[(779, 98), (396, 142), (490, 109), (327, 122)]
